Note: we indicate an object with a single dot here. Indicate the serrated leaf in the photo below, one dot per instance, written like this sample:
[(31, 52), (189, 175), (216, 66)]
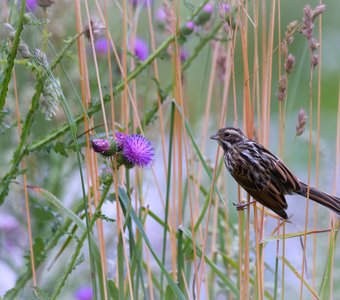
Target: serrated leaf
[(60, 148), (39, 252), (58, 204)]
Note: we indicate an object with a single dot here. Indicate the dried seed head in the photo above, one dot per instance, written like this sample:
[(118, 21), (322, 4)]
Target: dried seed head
[(313, 44), (24, 50), (318, 10), (9, 30), (292, 26), (281, 93), (97, 28), (41, 58), (308, 22), (301, 122), (50, 100), (315, 60), (223, 10), (289, 62)]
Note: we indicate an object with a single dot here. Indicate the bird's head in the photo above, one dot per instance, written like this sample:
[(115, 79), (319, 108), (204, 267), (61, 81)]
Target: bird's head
[(228, 137)]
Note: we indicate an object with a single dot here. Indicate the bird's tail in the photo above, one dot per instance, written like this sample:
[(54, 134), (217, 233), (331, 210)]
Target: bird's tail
[(320, 197)]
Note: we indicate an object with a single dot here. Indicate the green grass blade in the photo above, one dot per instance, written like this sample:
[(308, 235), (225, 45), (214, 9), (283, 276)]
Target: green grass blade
[(298, 275), (229, 283), (124, 198)]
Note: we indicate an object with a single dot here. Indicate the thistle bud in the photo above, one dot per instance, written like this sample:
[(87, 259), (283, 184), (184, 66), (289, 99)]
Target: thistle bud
[(204, 15), (188, 28), (105, 147)]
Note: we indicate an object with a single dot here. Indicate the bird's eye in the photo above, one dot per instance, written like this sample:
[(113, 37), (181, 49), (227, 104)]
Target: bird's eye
[(227, 134)]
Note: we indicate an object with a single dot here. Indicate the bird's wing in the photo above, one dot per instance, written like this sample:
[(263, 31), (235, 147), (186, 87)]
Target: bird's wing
[(275, 174), (266, 178), (266, 194)]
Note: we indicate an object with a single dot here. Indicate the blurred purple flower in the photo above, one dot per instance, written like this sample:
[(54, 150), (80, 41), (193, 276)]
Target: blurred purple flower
[(102, 46), (223, 10), (160, 16), (138, 150), (8, 222), (190, 25), (141, 49), (84, 293), (100, 145), (141, 2), (208, 8), (31, 5), (184, 55)]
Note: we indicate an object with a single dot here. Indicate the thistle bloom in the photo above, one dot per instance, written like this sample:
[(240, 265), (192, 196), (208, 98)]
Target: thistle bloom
[(141, 49), (120, 139), (138, 150), (84, 293)]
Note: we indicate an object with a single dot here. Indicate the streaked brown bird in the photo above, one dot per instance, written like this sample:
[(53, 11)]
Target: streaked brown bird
[(263, 175)]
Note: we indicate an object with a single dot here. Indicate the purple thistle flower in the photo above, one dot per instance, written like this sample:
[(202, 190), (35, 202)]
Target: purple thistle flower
[(120, 138), (141, 49), (84, 293), (102, 46), (138, 150)]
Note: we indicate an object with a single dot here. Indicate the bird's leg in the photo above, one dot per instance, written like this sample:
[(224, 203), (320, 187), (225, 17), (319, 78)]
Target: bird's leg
[(241, 206)]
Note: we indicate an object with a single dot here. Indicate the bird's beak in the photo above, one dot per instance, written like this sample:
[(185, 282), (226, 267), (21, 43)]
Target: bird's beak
[(215, 137)]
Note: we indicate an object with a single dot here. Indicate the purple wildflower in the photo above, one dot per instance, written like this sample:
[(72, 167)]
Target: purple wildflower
[(31, 5), (100, 145), (102, 46), (184, 55), (208, 8), (140, 2), (160, 16), (223, 10), (84, 293), (141, 49), (8, 223), (138, 150), (120, 138)]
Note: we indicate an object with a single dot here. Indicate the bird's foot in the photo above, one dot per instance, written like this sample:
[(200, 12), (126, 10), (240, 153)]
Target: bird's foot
[(242, 206)]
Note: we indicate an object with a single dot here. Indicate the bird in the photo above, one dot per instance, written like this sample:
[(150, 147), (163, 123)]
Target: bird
[(263, 175)]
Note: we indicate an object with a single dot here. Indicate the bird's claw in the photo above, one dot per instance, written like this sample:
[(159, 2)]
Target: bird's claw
[(240, 206)]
